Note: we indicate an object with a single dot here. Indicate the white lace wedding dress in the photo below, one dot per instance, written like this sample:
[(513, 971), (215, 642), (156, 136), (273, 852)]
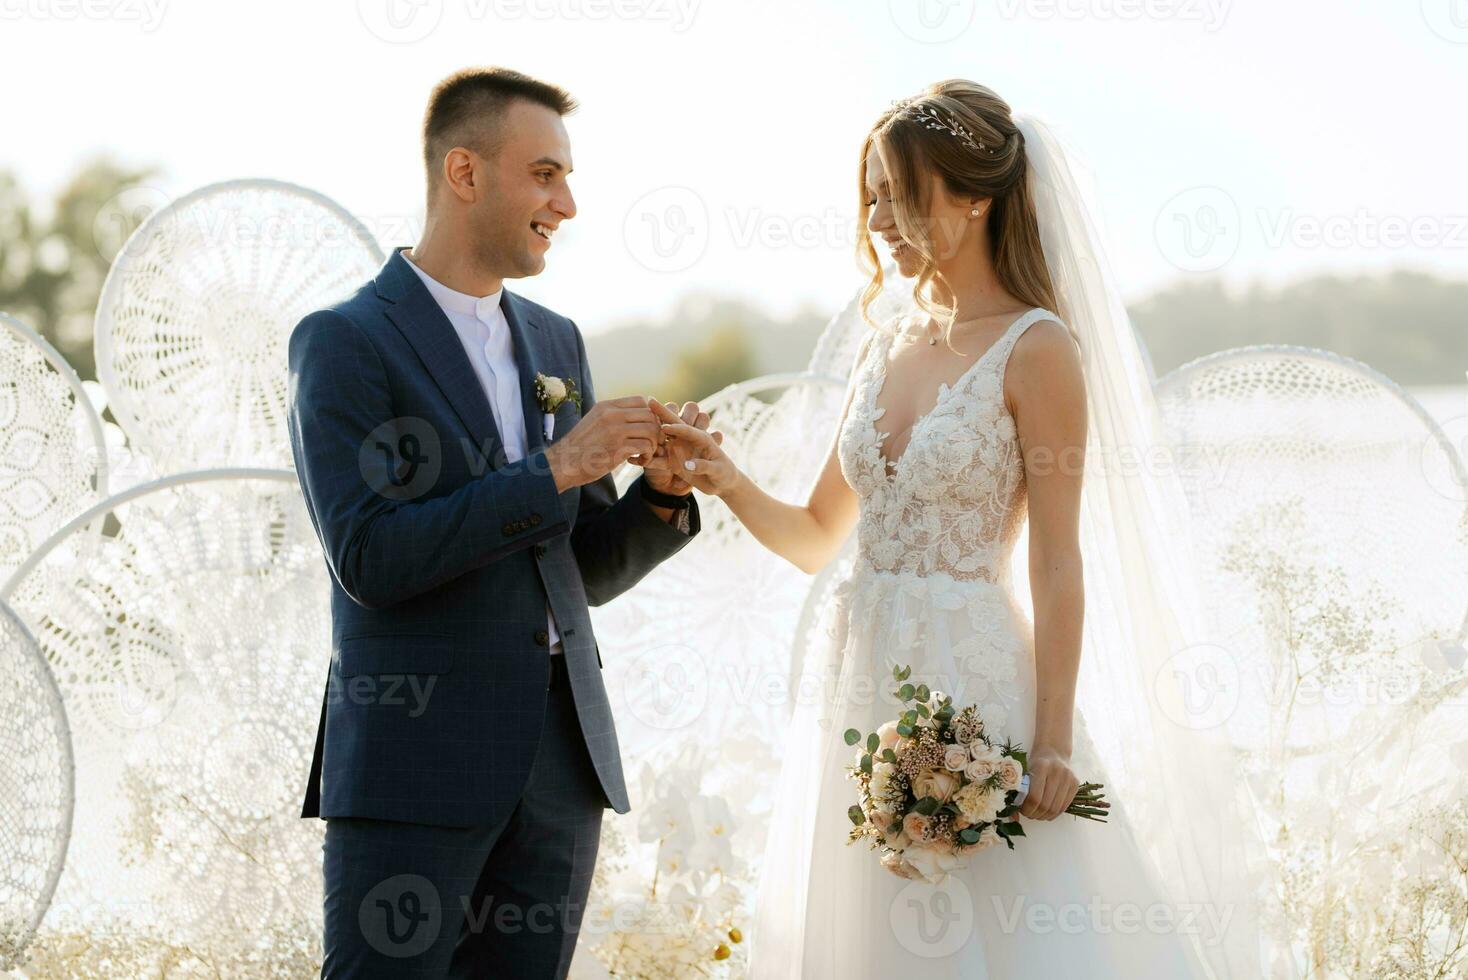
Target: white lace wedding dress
[(931, 588)]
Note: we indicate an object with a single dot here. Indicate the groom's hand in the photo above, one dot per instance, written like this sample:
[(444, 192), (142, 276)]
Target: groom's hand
[(613, 432)]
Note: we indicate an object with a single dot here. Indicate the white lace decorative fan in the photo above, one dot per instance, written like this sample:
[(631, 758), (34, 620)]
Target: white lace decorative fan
[(189, 649), (53, 460), (697, 669), (196, 311), (35, 787), (707, 633), (1316, 482), (1332, 537)]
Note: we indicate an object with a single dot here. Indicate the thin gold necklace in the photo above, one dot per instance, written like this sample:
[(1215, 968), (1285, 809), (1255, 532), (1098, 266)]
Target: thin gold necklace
[(931, 324), (927, 329), (933, 331)]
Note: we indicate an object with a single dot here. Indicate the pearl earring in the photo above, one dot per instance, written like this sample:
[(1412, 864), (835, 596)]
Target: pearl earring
[(974, 213)]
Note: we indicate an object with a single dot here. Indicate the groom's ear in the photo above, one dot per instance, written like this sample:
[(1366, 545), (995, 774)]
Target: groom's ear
[(463, 173)]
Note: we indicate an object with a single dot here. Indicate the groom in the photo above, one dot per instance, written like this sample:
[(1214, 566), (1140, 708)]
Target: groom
[(466, 750)]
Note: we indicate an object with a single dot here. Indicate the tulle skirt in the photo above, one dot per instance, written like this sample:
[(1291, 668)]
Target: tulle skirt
[(1075, 897)]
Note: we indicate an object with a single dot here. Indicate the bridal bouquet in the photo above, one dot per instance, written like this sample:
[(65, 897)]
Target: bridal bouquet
[(934, 788)]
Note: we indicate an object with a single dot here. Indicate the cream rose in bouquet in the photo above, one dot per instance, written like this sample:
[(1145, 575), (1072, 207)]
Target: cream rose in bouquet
[(934, 788)]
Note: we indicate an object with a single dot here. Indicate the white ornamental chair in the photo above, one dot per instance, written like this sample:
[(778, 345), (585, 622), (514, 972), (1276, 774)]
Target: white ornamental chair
[(196, 311), (36, 788), (1319, 488), (701, 646), (53, 458), (1331, 532), (189, 648)]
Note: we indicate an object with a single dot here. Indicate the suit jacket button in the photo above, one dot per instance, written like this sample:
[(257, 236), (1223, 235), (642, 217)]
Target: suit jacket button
[(541, 638)]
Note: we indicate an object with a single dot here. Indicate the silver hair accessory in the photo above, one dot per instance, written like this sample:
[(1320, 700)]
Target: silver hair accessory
[(929, 116)]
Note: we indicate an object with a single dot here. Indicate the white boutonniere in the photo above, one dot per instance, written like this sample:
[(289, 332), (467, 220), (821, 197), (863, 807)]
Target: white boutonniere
[(551, 393)]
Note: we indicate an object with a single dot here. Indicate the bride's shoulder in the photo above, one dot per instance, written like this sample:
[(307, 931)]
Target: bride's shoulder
[(1046, 342), (1044, 363)]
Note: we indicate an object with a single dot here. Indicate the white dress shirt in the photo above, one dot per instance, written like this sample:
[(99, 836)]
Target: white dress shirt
[(482, 330)]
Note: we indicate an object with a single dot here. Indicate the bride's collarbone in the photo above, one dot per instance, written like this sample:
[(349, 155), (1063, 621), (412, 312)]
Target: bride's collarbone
[(918, 373)]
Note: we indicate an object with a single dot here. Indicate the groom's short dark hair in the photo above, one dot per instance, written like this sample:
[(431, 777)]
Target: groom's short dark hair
[(466, 108)]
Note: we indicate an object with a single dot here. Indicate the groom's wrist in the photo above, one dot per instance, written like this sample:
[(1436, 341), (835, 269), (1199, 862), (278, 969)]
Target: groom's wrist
[(659, 500), (560, 469)]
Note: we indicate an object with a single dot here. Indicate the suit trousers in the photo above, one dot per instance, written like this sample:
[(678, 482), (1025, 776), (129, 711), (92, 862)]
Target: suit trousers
[(504, 899)]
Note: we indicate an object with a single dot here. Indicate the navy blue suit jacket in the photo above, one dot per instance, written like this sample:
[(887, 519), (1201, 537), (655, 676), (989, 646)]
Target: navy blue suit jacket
[(443, 555)]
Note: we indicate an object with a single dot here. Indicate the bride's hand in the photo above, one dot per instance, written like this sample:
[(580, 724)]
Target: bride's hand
[(662, 471), (698, 459), (1052, 785)]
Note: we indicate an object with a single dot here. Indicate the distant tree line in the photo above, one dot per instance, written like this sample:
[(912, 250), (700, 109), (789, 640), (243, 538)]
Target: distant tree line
[(1411, 326)]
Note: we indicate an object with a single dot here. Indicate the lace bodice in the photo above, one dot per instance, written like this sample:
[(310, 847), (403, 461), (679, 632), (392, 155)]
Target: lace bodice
[(956, 499)]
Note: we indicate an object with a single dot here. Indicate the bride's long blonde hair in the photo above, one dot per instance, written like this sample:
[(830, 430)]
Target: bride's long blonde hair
[(911, 148)]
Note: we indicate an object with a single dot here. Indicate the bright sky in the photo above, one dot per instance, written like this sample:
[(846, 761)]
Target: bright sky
[(716, 145)]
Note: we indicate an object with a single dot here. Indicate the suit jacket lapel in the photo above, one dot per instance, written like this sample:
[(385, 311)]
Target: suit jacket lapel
[(524, 337), (417, 315)]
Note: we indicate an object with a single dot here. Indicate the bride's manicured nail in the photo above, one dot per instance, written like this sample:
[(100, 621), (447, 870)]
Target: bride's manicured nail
[(688, 464)]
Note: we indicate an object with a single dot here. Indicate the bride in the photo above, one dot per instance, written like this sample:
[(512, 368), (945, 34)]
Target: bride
[(1003, 396)]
